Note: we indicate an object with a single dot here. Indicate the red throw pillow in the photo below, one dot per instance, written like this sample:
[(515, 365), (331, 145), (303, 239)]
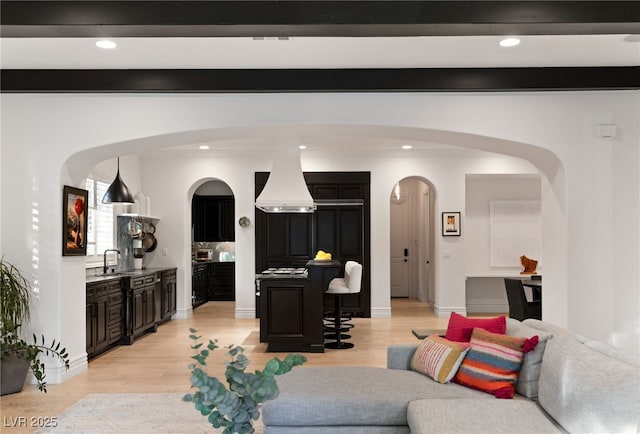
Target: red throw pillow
[(460, 327)]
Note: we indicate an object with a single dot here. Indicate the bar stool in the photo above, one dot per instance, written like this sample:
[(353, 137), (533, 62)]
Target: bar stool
[(340, 286)]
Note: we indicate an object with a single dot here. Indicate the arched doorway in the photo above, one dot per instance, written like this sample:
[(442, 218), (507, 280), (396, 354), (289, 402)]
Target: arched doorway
[(411, 236), (213, 243)]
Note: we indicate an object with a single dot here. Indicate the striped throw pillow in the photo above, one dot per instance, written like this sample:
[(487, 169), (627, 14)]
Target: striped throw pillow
[(493, 362), (439, 358)]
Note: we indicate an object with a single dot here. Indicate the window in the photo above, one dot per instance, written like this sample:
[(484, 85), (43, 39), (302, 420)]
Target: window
[(100, 219)]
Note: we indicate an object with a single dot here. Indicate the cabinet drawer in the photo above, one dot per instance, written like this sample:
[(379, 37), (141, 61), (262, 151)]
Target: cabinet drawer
[(149, 279), (101, 289), (114, 314), (115, 298), (115, 333), (115, 287), (137, 282), (171, 274)]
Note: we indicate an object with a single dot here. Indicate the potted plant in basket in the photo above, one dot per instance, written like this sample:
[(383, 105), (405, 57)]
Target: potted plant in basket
[(19, 355), (234, 409)]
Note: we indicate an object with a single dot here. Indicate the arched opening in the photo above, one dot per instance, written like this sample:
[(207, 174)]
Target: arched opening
[(213, 243), (411, 239)]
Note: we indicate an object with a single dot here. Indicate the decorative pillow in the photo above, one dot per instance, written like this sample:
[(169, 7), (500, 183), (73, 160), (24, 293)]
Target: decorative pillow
[(493, 362), (460, 327), (439, 358), (530, 370)]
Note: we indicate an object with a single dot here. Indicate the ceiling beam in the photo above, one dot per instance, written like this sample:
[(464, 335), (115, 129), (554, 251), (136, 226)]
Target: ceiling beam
[(314, 18), (318, 80)]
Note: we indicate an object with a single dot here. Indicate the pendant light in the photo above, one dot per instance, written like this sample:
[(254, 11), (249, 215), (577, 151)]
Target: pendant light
[(286, 189), (399, 194), (118, 192)]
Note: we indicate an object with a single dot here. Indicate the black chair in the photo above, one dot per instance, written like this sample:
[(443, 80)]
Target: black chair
[(519, 307)]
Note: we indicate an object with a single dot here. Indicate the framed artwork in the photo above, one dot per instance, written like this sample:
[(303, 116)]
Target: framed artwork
[(74, 221), (451, 224)]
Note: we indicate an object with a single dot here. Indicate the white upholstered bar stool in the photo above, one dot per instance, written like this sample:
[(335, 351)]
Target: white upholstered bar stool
[(339, 287)]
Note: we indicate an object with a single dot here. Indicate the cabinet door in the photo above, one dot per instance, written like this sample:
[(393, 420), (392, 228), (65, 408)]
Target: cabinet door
[(138, 309), (91, 330), (102, 322), (149, 306)]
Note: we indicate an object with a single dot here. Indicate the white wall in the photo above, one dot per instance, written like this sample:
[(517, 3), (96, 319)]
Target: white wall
[(486, 293), (581, 178)]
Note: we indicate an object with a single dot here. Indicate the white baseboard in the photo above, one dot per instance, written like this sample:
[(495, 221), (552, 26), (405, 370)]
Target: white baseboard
[(245, 313), (183, 313), (381, 312), (443, 312), (56, 374)]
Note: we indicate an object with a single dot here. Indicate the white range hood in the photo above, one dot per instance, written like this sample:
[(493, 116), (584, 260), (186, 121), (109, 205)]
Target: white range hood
[(286, 189)]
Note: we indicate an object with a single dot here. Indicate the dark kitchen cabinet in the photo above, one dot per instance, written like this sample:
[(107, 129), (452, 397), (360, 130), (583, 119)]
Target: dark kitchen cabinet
[(200, 282), (212, 218), (143, 306), (340, 225), (222, 286), (104, 316), (168, 305)]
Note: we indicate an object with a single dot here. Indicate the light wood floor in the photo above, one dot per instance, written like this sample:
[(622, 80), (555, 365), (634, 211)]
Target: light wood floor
[(157, 362)]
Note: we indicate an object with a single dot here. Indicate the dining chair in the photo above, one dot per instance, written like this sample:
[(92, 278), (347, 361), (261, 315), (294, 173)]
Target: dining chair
[(519, 307)]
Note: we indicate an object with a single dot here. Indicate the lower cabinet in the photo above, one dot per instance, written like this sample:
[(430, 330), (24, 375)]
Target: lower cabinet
[(223, 281), (201, 278), (119, 309), (143, 303), (168, 305), (104, 315)]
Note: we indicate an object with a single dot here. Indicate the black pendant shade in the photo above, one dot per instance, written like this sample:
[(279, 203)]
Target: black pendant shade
[(118, 192)]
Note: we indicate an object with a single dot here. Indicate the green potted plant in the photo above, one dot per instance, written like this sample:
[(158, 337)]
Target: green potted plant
[(17, 354), (237, 407)]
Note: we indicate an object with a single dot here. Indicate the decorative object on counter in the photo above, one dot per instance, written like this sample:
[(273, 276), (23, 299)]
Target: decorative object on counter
[(323, 256), (234, 409), (18, 356), (451, 224), (529, 265), (244, 222), (118, 192), (74, 218)]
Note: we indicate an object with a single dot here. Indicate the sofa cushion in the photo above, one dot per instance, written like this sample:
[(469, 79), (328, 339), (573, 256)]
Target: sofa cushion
[(460, 327), (472, 416), (585, 390), (527, 384), (493, 363), (439, 358), (353, 395)]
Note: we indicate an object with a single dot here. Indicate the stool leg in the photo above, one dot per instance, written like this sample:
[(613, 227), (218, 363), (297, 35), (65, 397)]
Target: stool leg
[(338, 344)]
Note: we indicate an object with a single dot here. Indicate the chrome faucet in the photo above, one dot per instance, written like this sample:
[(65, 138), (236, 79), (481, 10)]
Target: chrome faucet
[(104, 259)]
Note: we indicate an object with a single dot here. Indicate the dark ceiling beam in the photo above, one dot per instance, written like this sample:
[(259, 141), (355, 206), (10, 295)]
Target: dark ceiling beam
[(318, 80), (314, 18)]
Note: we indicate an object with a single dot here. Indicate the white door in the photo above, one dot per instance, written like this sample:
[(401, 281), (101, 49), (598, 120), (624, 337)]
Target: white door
[(400, 253)]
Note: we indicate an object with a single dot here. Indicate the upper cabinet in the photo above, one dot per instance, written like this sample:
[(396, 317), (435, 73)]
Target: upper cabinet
[(212, 218)]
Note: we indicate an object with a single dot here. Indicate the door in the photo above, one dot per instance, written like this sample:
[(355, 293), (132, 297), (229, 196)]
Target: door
[(400, 252)]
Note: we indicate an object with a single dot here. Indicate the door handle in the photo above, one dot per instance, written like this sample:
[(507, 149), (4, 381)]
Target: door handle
[(406, 252)]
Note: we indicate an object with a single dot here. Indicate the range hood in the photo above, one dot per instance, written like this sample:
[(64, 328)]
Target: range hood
[(286, 189)]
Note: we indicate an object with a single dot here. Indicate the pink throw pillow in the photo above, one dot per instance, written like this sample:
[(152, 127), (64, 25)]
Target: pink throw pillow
[(461, 327)]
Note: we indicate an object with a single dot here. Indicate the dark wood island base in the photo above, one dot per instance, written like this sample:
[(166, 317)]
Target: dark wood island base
[(291, 306)]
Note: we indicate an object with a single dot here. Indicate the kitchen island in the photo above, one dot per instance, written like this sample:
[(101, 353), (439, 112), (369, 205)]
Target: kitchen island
[(290, 306)]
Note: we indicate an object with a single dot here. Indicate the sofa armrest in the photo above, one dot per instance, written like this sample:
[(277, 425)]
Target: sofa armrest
[(399, 356)]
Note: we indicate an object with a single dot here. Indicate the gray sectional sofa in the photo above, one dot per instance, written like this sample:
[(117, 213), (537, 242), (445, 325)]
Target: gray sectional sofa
[(579, 386)]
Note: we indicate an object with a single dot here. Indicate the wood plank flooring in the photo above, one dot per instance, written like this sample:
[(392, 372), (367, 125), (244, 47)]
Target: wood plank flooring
[(157, 362)]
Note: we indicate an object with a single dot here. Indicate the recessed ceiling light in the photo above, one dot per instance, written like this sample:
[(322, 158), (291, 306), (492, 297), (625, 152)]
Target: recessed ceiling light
[(204, 147), (302, 146), (106, 44), (407, 147), (509, 42)]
